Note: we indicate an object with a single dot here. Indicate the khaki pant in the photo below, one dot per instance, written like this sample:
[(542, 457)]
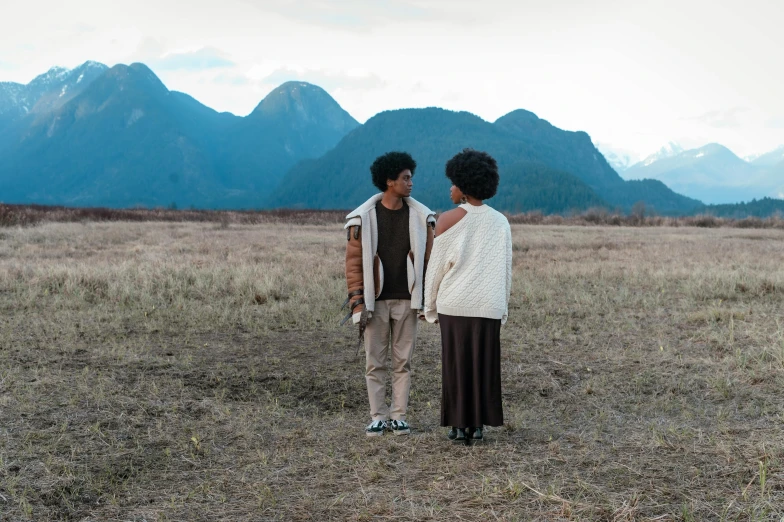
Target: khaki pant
[(394, 324)]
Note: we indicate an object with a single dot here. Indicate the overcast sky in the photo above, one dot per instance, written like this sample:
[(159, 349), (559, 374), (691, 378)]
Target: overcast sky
[(632, 74)]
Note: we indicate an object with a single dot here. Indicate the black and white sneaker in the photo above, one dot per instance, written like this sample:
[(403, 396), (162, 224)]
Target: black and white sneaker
[(376, 428), (399, 427)]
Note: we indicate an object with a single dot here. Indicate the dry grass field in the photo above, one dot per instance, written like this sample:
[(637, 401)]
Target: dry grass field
[(195, 371)]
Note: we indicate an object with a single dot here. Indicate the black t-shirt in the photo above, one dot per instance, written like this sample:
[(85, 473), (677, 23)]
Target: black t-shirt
[(394, 243)]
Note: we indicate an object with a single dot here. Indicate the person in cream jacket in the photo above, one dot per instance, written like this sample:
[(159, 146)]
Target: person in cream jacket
[(389, 238)]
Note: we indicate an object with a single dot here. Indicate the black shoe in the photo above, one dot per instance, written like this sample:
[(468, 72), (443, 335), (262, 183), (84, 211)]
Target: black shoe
[(457, 434), (477, 434), (399, 427)]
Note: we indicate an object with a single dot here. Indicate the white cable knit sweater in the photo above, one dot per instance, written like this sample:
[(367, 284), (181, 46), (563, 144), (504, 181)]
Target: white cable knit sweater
[(470, 268)]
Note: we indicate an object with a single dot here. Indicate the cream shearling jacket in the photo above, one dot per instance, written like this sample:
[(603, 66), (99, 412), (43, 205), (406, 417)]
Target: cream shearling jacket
[(364, 272)]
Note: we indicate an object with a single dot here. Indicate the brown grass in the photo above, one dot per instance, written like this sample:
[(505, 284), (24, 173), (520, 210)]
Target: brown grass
[(29, 215), (195, 371)]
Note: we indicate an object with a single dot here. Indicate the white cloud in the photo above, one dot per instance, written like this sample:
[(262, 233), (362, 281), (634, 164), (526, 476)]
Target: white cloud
[(327, 79), (628, 74), (719, 119), (200, 59)]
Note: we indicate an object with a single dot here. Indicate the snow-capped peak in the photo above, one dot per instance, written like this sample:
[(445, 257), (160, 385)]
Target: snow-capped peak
[(667, 151), (57, 73), (619, 158), (48, 90)]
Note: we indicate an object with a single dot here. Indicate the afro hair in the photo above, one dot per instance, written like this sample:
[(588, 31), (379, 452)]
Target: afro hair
[(474, 172), (389, 166)]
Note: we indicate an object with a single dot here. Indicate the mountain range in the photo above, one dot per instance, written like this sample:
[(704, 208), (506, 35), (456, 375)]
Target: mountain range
[(526, 148), (118, 137), (768, 159), (714, 174), (46, 92), (667, 151), (100, 136)]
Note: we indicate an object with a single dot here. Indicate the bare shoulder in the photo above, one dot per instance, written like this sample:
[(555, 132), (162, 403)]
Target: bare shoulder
[(449, 219)]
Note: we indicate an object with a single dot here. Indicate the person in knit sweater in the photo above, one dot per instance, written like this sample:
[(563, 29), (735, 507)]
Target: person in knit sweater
[(467, 288)]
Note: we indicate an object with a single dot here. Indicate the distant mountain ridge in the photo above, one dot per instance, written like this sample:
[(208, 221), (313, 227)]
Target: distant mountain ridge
[(714, 174), (529, 150), (669, 150), (47, 91), (99, 136), (123, 139), (767, 159)]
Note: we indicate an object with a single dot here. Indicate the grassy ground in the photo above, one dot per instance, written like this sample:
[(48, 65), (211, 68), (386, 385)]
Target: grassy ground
[(195, 371)]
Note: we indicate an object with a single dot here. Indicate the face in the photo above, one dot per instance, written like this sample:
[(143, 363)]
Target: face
[(402, 186), (455, 194)]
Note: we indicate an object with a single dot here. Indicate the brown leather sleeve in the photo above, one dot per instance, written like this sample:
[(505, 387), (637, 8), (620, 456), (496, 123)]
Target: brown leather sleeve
[(430, 231), (429, 245), (354, 279)]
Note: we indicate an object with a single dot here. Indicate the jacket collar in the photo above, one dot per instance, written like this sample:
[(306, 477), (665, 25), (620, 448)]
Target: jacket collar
[(365, 207)]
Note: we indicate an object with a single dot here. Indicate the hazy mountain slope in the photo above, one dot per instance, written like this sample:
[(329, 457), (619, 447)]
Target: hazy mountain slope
[(341, 177), (125, 139), (711, 173)]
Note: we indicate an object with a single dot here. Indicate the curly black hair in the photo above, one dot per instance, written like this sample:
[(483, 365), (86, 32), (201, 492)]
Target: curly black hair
[(389, 166), (474, 172)]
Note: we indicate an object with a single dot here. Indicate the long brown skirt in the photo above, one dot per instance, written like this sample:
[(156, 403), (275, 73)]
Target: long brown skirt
[(470, 371)]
